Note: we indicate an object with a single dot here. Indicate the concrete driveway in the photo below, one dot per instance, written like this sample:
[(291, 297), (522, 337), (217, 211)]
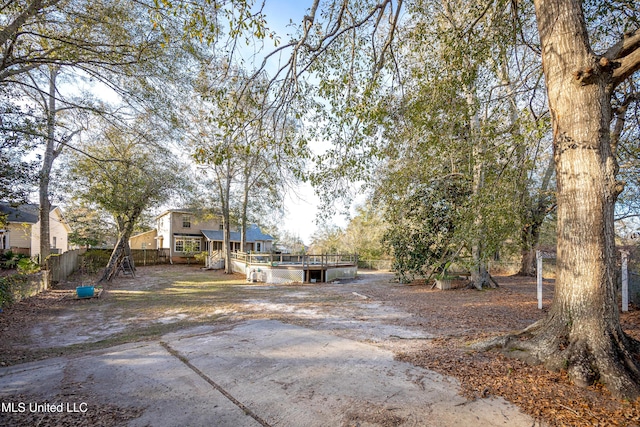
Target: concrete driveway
[(250, 373)]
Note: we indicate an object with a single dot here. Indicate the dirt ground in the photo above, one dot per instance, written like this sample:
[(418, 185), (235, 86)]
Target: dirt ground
[(427, 327)]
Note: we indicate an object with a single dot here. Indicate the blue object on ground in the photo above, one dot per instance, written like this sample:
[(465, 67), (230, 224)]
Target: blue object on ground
[(85, 291)]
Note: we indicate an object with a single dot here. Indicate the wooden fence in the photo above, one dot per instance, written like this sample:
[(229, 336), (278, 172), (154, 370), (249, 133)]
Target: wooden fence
[(150, 256), (98, 258), (61, 266)]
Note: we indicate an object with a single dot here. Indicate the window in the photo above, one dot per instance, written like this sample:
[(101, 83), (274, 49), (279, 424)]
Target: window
[(54, 242), (187, 244), (186, 221), (258, 247)]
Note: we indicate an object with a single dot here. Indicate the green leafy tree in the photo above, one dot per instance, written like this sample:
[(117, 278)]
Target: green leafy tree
[(124, 172), (250, 154), (590, 52), (582, 331), (90, 225), (364, 233), (424, 227)]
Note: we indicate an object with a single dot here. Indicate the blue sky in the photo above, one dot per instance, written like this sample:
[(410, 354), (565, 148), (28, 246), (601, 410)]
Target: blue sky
[(301, 205)]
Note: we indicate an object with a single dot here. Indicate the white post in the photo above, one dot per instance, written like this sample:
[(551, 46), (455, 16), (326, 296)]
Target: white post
[(625, 281), (539, 277)]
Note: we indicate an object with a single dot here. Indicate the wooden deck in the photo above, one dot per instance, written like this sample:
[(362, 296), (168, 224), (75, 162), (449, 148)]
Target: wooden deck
[(314, 267)]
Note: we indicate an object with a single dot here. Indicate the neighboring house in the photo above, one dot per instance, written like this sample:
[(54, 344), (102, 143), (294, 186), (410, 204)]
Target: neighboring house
[(22, 232), (184, 234)]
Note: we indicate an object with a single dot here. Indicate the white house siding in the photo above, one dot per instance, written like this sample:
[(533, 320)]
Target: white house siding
[(164, 232), (58, 234), (19, 236)]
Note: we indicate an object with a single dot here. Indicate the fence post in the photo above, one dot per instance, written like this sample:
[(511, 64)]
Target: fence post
[(539, 278), (625, 280)]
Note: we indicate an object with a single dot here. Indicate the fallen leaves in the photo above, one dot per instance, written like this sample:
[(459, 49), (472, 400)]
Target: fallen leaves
[(547, 396)]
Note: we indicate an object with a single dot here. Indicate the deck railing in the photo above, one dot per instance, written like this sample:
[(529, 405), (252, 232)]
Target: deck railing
[(304, 260)]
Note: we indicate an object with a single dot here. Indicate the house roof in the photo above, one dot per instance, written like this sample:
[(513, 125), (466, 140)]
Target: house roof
[(27, 213), (153, 231), (254, 234), (188, 211), (170, 211)]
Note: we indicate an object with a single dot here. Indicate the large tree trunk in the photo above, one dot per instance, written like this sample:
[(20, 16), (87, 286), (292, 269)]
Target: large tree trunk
[(582, 330), (120, 250), (226, 218), (45, 171)]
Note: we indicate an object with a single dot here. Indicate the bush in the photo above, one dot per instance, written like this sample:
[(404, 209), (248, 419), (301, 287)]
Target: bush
[(27, 266), (11, 260), (9, 285), (94, 260), (201, 257)]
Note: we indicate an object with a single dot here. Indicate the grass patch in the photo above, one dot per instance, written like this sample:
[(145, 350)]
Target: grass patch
[(159, 300)]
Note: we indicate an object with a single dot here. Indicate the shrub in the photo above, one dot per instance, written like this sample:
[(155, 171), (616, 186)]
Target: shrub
[(11, 260), (27, 266), (201, 257), (9, 285), (95, 260)]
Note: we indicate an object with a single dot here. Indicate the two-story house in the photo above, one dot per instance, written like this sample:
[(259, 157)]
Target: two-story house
[(184, 234)]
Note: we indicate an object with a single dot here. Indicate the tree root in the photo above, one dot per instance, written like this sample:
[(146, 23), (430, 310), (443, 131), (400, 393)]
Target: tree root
[(610, 361)]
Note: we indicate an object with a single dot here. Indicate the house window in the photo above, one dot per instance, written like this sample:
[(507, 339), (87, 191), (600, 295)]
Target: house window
[(258, 247), (54, 242), (186, 221), (187, 244), (143, 245)]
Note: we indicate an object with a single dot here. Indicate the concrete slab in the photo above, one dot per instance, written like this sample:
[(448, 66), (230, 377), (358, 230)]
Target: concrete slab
[(142, 376), (294, 376), (260, 372)]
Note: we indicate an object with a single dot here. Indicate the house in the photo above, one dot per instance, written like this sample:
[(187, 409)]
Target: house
[(184, 234), (21, 232)]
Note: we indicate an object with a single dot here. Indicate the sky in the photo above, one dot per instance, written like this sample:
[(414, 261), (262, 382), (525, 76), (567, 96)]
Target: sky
[(302, 207), (302, 204)]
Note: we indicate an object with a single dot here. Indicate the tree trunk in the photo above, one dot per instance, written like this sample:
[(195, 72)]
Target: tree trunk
[(527, 260), (226, 218), (582, 329), (534, 214), (118, 253), (45, 171), (121, 249), (530, 236), (243, 213), (480, 277)]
